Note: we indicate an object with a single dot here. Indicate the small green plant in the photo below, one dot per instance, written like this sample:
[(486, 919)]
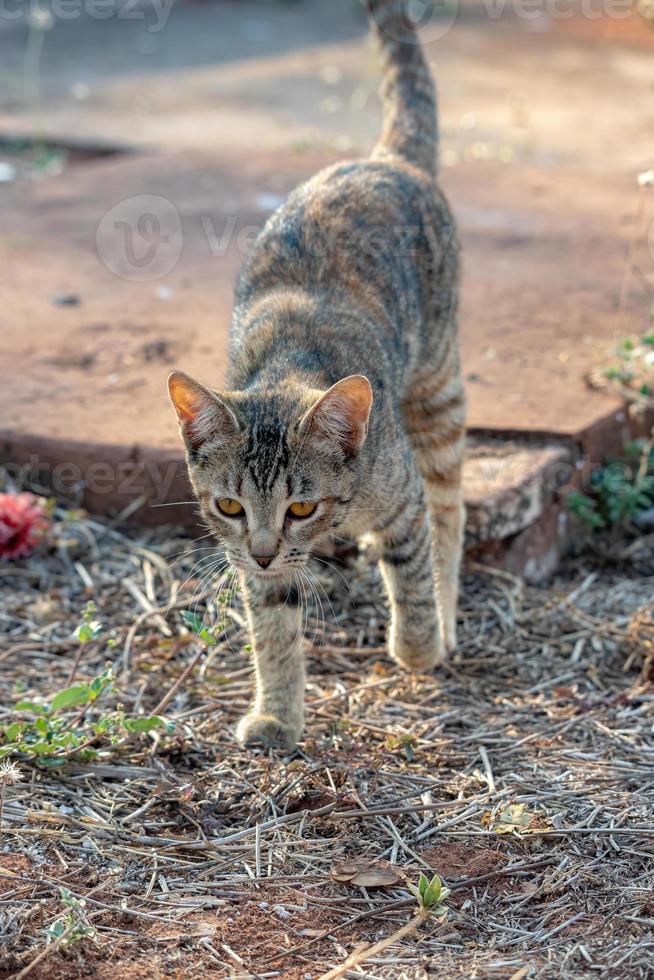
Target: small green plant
[(205, 633), (631, 372), (621, 490), (53, 731), (73, 926), (618, 492), (70, 724), (430, 895), (89, 628), (402, 744)]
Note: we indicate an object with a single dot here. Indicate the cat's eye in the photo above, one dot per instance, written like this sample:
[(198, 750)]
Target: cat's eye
[(230, 507), (301, 509)]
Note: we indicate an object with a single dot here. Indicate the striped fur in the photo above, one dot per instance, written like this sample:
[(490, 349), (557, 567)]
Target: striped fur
[(345, 391), (410, 126)]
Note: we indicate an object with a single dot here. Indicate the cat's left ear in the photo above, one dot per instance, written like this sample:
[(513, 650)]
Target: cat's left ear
[(340, 416), (201, 413)]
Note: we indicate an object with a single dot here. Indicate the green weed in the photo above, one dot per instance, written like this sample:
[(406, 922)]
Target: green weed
[(430, 894), (73, 721), (73, 926), (618, 492)]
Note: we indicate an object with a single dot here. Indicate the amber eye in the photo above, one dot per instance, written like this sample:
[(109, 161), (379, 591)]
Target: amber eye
[(230, 507), (301, 508)]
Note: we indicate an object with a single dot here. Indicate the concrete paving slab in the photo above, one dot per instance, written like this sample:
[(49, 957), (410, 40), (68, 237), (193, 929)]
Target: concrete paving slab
[(544, 265), (508, 487)]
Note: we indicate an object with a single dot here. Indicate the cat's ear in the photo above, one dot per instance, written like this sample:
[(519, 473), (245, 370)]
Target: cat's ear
[(202, 414), (341, 415)]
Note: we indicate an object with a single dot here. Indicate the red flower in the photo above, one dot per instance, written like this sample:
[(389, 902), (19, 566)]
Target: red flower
[(22, 523)]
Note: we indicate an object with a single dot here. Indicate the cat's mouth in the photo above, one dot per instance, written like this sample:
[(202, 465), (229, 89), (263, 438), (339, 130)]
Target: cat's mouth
[(284, 569), (275, 571)]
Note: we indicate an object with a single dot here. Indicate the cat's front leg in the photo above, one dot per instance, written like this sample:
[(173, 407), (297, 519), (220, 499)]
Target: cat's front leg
[(415, 637), (277, 716)]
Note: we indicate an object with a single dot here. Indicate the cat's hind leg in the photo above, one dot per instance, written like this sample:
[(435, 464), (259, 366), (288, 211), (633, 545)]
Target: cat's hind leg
[(434, 416), (404, 540)]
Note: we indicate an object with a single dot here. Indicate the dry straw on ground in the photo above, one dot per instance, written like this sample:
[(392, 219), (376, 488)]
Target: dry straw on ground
[(522, 773)]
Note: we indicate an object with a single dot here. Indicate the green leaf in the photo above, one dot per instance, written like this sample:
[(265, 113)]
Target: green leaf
[(38, 748), (86, 632), (11, 733), (585, 509), (423, 885), (105, 724), (192, 621), (100, 683), (71, 697), (414, 891), (433, 893), (147, 724), (36, 709), (66, 740), (57, 929), (42, 726)]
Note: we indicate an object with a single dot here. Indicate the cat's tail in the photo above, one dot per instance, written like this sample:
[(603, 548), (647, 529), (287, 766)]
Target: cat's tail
[(410, 127)]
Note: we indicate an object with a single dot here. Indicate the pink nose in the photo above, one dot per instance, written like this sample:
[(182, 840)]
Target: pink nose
[(263, 560)]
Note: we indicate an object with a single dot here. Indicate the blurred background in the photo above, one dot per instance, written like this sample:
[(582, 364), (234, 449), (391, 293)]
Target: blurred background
[(144, 142)]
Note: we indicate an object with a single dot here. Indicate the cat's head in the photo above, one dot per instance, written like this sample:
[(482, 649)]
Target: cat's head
[(274, 471)]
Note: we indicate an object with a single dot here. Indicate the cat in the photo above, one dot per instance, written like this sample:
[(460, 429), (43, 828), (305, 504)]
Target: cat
[(345, 410)]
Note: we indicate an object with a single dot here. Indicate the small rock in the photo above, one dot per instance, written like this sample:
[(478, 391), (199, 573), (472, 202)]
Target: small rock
[(66, 299), (44, 610), (7, 172), (645, 519)]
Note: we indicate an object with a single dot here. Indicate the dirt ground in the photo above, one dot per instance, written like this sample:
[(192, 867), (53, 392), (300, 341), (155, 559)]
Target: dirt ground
[(521, 773)]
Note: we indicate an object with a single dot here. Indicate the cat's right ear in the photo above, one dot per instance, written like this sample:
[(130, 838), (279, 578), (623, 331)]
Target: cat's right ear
[(201, 413), (340, 416)]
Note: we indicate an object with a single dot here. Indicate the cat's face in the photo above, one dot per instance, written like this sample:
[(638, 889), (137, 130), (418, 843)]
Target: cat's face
[(275, 472)]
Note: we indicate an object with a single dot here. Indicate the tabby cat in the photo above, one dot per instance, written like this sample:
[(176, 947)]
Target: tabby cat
[(345, 412)]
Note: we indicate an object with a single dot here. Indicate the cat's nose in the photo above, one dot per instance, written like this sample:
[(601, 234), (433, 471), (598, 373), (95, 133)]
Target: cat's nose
[(263, 546)]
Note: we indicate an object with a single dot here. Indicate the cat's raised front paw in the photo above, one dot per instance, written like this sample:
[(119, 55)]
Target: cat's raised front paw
[(268, 732)]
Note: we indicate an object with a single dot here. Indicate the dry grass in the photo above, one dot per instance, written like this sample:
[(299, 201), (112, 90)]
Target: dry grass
[(197, 857)]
